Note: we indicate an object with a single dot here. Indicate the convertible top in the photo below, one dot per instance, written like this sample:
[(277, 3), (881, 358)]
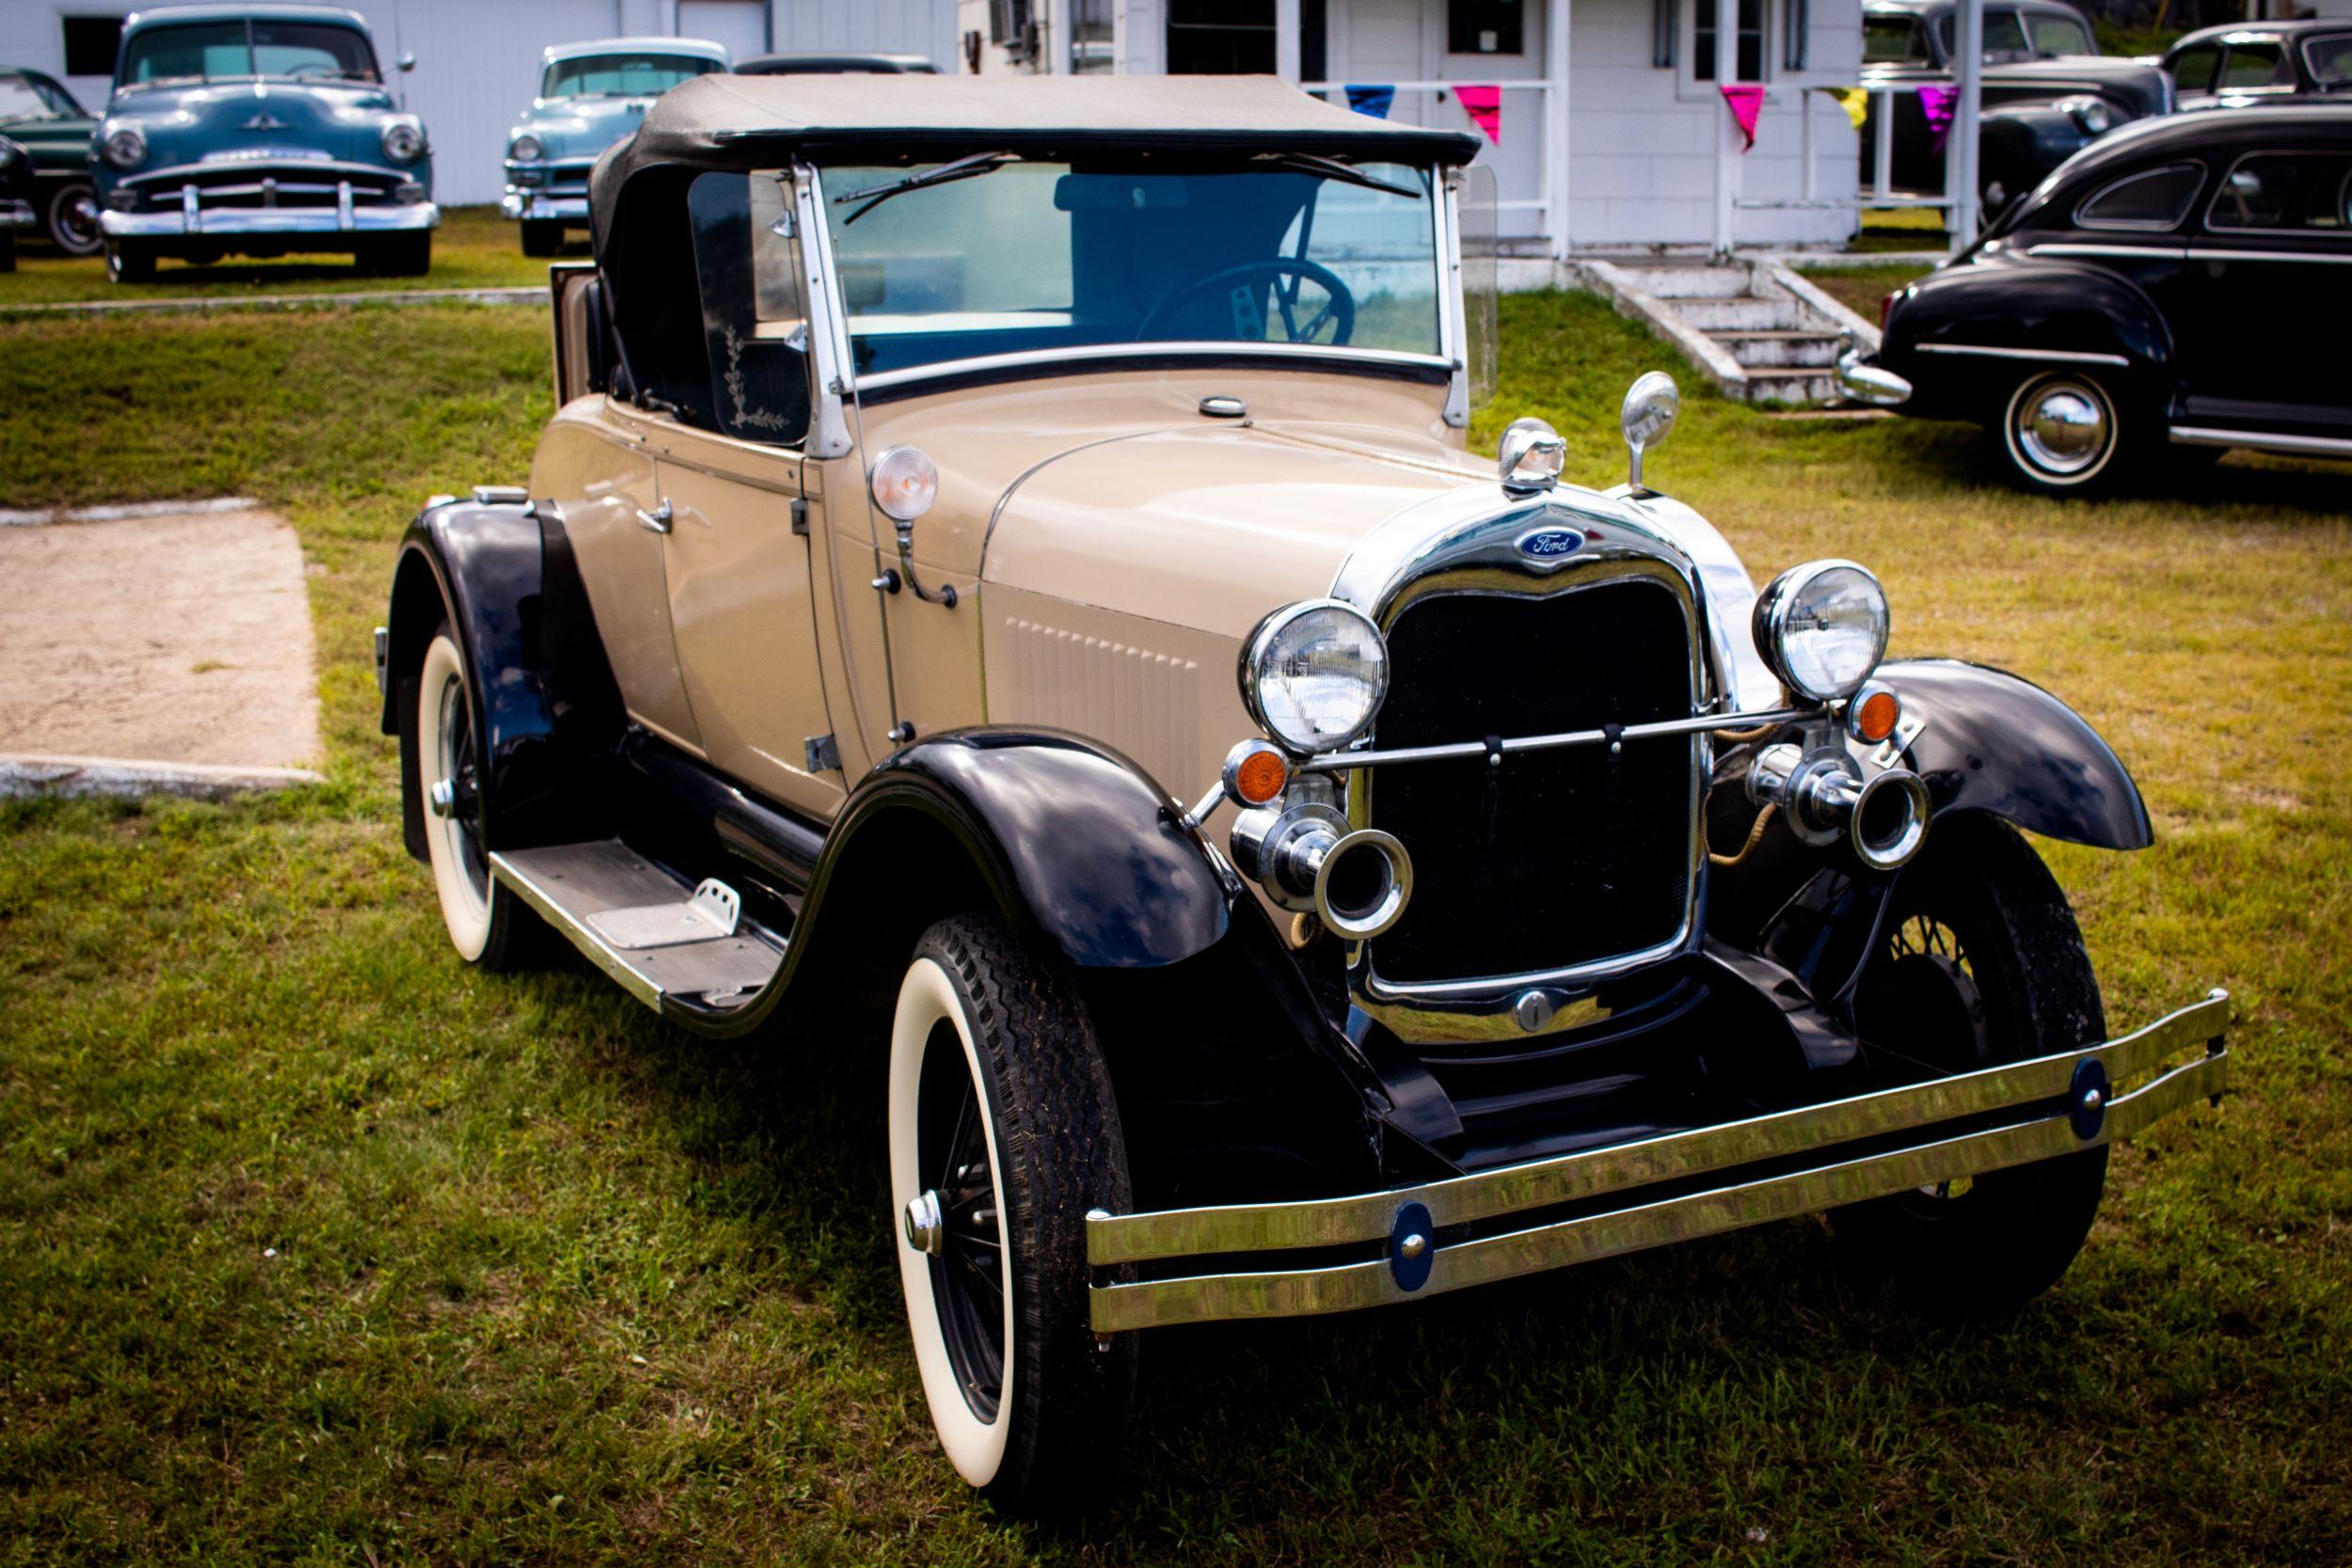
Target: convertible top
[(742, 122)]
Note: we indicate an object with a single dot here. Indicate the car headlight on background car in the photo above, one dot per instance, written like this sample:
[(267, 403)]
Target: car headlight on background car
[(2091, 114), (526, 149), (1313, 674), (1821, 627), (125, 147), (403, 140)]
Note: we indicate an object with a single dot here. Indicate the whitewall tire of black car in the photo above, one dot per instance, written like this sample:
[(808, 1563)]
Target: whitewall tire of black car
[(2061, 431), (1003, 1133), (486, 923)]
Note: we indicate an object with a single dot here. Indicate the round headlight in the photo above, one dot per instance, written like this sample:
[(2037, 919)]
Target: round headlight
[(126, 146), (1821, 627), (403, 140), (905, 481), (526, 149), (2091, 114), (1313, 674)]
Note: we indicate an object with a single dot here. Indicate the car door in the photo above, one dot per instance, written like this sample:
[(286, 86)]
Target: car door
[(737, 555), (2273, 262)]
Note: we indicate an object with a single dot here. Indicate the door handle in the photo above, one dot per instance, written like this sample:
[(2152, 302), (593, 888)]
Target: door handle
[(658, 520)]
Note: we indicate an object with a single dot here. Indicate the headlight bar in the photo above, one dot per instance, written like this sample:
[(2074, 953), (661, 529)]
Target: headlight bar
[(1345, 762)]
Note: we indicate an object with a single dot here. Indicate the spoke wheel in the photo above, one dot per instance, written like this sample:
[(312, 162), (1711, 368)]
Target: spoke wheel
[(1003, 1134)]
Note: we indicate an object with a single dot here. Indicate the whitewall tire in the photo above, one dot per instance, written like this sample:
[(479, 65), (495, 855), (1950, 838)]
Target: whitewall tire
[(486, 923), (2062, 433)]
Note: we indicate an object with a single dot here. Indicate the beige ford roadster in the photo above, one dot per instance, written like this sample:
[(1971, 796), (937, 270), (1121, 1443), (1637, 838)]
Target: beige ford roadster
[(1005, 605)]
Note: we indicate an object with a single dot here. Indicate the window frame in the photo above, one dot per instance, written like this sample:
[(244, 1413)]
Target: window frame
[(2302, 53), (2298, 231), (1507, 47), (2117, 225), (2229, 56), (1689, 84)]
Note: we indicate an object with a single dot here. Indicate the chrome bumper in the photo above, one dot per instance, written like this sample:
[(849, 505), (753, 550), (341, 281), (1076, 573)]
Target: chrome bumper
[(17, 215), (540, 205), (1942, 1130), (193, 221), (1865, 381)]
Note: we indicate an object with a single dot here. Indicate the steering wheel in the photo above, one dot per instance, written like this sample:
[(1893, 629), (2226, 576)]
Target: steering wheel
[(1339, 309)]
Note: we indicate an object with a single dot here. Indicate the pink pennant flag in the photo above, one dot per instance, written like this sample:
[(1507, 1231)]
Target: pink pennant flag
[(1746, 102), (1937, 105), (1484, 106)]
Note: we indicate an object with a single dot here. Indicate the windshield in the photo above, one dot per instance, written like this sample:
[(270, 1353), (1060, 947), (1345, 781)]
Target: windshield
[(1893, 40), (623, 75), (1004, 256), (2330, 59), (22, 98), (241, 51)]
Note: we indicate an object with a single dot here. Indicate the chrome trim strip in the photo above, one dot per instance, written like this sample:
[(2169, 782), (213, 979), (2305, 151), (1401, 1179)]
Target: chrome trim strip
[(1118, 1306), (2067, 356), (2257, 440), (1054, 357), (2204, 253), (2123, 252), (1347, 761)]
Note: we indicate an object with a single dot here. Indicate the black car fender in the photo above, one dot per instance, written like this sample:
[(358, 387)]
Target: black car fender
[(1967, 337), (2021, 142), (501, 575), (1989, 744)]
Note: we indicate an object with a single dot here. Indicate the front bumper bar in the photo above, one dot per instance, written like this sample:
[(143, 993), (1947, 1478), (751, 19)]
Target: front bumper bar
[(1845, 1151), (17, 215), (1864, 380), (544, 205), (192, 220)]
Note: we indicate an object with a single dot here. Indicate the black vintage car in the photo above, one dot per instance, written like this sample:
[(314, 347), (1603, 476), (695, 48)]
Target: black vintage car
[(2175, 285), (2047, 91), (2260, 62), (16, 198)]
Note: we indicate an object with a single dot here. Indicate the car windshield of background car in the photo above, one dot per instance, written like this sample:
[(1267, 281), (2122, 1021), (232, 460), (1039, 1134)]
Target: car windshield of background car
[(1893, 40), (1024, 256), (239, 51), (2004, 35), (623, 75), (2058, 35), (2328, 59)]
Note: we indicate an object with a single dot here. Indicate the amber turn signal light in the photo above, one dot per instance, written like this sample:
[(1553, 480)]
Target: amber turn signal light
[(1873, 714), (1256, 773)]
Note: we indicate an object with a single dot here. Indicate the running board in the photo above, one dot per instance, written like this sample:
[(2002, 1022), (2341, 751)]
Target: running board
[(667, 943)]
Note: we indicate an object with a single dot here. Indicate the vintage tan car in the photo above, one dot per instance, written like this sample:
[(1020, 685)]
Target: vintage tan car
[(857, 666)]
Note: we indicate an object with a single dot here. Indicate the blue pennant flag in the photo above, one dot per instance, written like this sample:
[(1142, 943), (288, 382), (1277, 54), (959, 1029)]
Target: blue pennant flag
[(1371, 98)]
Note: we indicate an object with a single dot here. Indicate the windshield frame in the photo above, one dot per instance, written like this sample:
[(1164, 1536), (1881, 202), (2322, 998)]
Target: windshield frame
[(710, 64), (166, 21), (1446, 365)]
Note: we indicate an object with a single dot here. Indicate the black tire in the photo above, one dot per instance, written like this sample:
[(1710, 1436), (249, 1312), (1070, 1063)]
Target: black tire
[(1981, 963), (542, 237), (486, 923), (129, 262), (398, 254), (2065, 433), (993, 1054), (71, 220)]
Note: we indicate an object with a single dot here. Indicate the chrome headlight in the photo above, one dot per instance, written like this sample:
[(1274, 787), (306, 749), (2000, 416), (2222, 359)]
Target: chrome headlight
[(1313, 674), (1821, 627), (9, 153), (403, 140), (2091, 114), (126, 146), (525, 148)]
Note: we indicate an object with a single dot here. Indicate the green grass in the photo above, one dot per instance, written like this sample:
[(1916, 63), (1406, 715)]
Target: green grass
[(474, 249), (1863, 289), (322, 1248)]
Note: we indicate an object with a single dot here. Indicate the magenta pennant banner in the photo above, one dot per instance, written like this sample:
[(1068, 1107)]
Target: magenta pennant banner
[(1937, 105), (1484, 107), (1745, 100)]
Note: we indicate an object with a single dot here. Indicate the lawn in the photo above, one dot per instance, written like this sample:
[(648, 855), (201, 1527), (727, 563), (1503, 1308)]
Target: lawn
[(322, 1248), (474, 249)]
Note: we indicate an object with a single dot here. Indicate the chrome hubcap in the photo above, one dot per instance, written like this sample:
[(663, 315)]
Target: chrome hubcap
[(442, 797), (926, 1229), (2063, 429)]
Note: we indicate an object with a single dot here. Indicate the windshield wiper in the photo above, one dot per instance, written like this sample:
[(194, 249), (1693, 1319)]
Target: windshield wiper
[(960, 168), (1332, 168)]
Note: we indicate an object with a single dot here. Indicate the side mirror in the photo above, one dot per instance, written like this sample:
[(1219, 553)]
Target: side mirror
[(406, 63), (1651, 406)]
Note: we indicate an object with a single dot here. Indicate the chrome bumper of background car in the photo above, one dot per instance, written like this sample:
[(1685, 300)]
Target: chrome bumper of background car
[(1865, 381), (543, 205), (17, 215), (1891, 1141), (191, 220)]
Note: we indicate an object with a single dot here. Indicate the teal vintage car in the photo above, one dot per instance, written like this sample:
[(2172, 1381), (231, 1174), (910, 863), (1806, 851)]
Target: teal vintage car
[(40, 116), (590, 95), (262, 130)]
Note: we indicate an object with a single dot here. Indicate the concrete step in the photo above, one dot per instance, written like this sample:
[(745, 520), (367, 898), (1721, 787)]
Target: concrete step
[(1788, 384), (1780, 347), (1693, 282), (1743, 314)]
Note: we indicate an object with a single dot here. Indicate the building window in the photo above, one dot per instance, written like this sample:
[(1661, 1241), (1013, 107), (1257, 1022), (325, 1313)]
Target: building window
[(1090, 38), (90, 44), (1486, 27), (1748, 65), (1220, 38)]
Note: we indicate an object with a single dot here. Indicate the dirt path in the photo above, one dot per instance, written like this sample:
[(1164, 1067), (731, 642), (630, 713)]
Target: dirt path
[(170, 638)]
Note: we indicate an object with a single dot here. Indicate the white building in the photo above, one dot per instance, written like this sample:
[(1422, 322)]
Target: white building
[(478, 60), (1611, 109)]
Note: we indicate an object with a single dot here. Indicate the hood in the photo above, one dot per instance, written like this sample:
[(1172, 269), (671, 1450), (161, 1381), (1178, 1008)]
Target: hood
[(573, 128), (191, 124)]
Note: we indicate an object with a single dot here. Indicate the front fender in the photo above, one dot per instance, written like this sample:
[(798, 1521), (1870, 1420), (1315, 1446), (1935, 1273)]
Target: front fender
[(2020, 308)]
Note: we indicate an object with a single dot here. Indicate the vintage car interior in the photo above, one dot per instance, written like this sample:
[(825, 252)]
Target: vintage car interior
[(2105, 318), (1007, 606)]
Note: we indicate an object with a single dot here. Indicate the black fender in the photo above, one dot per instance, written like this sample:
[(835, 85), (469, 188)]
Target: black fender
[(547, 707), (1993, 744), (2027, 305), (2021, 142)]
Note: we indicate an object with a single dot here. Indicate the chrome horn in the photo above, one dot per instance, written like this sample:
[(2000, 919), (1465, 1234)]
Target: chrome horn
[(1885, 818), (1357, 884)]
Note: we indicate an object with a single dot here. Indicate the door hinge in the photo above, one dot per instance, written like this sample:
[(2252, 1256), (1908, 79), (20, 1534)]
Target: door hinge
[(799, 517), (823, 755)]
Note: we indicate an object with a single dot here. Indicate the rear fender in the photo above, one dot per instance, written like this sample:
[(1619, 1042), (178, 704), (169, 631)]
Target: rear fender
[(2022, 307)]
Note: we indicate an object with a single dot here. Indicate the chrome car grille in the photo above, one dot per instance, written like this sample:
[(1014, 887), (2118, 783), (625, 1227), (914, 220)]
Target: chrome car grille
[(1552, 859), (242, 183)]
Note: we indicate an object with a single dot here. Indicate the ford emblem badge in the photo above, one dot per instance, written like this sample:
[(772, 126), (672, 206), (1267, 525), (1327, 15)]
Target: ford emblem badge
[(1551, 544)]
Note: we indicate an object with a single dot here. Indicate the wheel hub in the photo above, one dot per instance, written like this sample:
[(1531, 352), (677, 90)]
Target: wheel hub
[(926, 1225), (2063, 429)]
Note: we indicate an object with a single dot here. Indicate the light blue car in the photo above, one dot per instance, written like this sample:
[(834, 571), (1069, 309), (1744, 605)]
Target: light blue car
[(262, 130), (590, 95)]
